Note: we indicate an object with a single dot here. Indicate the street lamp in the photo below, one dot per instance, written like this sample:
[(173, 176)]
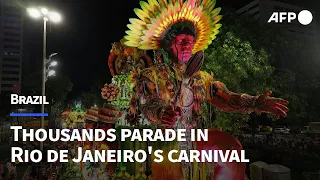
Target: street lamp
[(50, 57), (46, 16), (54, 63), (50, 72), (35, 13), (44, 11)]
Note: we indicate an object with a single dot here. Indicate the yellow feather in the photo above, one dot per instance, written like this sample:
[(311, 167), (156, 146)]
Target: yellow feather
[(215, 32), (217, 19), (154, 5), (216, 11), (163, 4), (142, 15), (189, 7), (146, 29), (133, 27), (177, 8), (153, 20), (136, 21), (192, 12), (145, 46), (205, 3), (210, 6), (170, 10), (147, 9), (127, 37), (188, 15), (175, 17), (144, 39), (214, 3), (145, 6), (217, 26), (130, 44), (134, 33)]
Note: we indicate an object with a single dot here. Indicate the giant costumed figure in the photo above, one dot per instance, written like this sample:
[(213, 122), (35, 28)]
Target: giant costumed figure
[(172, 92)]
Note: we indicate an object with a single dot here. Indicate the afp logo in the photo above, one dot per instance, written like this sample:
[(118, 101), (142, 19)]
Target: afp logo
[(304, 17)]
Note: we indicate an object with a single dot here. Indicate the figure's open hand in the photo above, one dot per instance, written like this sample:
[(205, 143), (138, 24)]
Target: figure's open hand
[(170, 116), (275, 106)]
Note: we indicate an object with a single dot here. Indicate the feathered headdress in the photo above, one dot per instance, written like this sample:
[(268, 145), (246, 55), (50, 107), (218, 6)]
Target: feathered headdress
[(156, 17)]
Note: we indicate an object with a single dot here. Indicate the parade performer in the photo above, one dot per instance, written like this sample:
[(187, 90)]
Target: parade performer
[(123, 59), (172, 92)]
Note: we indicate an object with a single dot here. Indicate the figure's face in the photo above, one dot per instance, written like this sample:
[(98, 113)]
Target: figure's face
[(182, 46)]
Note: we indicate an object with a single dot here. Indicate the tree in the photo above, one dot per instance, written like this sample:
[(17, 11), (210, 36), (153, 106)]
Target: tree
[(241, 68), (93, 97), (57, 91), (87, 99), (250, 58), (296, 76)]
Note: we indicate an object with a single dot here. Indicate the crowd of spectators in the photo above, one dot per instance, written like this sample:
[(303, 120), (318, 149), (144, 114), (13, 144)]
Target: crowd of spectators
[(275, 149), (11, 171)]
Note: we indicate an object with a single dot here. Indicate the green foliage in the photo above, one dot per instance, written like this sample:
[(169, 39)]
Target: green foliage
[(57, 91), (248, 57), (241, 68), (87, 99), (93, 97), (58, 88), (235, 62)]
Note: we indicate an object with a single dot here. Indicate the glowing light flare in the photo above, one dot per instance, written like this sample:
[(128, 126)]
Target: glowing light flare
[(55, 17), (44, 11), (51, 72), (54, 63), (33, 12)]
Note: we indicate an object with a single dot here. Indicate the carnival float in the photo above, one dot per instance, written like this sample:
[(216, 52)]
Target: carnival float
[(168, 91), (73, 116)]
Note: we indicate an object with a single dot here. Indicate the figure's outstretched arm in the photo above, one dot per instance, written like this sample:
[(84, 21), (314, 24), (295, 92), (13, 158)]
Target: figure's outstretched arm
[(219, 96)]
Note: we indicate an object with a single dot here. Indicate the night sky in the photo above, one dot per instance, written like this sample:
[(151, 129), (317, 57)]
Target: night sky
[(83, 39)]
